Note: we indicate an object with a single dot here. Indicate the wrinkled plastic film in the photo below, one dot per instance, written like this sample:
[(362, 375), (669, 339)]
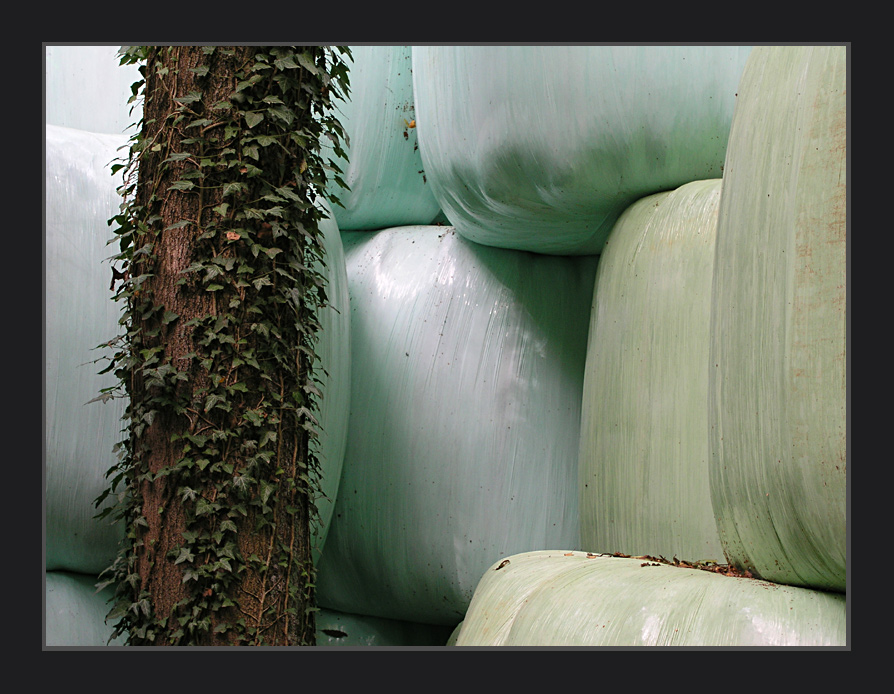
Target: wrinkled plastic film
[(384, 169), (567, 598), (541, 148), (464, 427), (80, 315), (644, 458), (778, 380)]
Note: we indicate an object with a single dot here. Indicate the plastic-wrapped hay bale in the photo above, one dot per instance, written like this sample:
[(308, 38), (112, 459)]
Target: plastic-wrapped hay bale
[(384, 168), (340, 629), (80, 314), (75, 613), (465, 419), (334, 373), (778, 378), (87, 89), (541, 148), (644, 454), (565, 598)]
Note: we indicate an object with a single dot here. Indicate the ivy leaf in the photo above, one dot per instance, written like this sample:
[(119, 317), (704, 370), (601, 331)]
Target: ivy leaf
[(307, 64), (285, 63), (213, 400), (190, 98), (253, 417), (284, 114), (200, 122), (185, 555), (233, 188), (252, 118)]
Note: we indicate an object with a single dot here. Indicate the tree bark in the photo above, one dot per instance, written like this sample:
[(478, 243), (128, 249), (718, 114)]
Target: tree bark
[(215, 518)]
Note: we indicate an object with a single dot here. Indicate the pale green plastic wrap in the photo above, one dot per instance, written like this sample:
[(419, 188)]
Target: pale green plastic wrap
[(644, 451), (80, 314), (778, 379), (567, 598), (541, 148), (87, 89), (75, 613), (334, 372), (465, 419), (384, 168), (353, 630)]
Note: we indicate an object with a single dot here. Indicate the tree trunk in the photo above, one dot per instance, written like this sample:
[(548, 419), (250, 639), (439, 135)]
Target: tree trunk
[(221, 325)]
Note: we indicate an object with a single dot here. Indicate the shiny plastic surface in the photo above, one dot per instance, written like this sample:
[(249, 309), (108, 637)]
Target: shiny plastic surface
[(465, 418), (80, 315), (566, 598)]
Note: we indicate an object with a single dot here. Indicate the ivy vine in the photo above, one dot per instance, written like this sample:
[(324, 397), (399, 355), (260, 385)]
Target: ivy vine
[(220, 275)]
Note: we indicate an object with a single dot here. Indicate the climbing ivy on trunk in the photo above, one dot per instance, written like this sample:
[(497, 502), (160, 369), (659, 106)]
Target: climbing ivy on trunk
[(220, 276)]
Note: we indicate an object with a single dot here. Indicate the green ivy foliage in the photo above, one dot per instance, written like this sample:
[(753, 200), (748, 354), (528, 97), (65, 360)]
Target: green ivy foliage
[(250, 166)]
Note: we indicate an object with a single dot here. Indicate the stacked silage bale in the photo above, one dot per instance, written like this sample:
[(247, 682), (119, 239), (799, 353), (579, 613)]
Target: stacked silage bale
[(778, 379), (515, 411), (384, 173), (80, 315), (448, 410), (87, 112), (768, 458), (541, 148), (465, 410), (644, 454), (556, 598)]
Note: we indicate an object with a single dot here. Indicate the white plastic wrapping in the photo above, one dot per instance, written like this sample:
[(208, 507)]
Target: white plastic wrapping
[(75, 613), (384, 169), (80, 314), (778, 379), (465, 419), (87, 89), (541, 148), (567, 598), (644, 458)]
